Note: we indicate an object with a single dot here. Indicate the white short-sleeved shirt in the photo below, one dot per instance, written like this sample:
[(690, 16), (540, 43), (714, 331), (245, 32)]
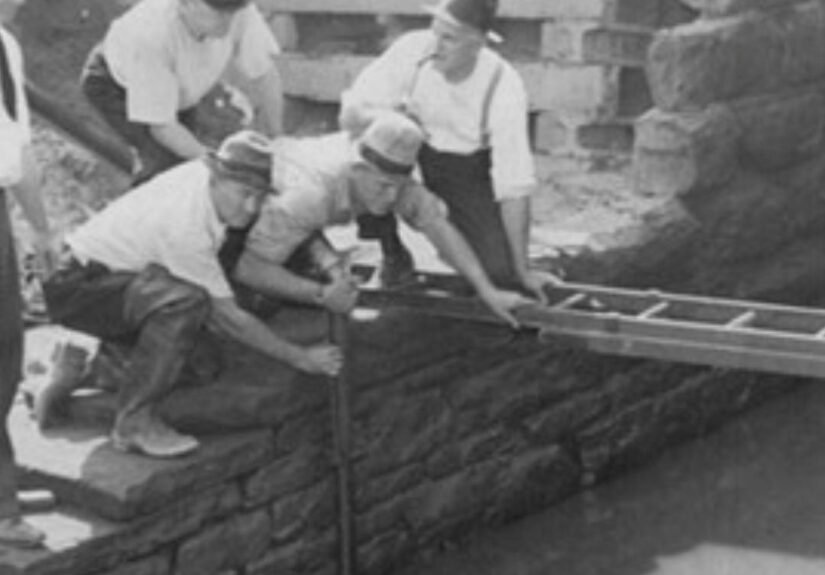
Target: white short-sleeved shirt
[(451, 113), (15, 135), (164, 69), (310, 175), (170, 220)]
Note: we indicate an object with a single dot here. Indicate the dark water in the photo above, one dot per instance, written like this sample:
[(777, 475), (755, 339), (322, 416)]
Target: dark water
[(747, 500)]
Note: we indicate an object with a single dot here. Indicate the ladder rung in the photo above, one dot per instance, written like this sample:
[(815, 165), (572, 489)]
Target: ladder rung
[(570, 301), (742, 320), (653, 310)]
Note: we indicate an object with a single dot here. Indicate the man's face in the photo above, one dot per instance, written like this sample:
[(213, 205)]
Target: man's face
[(8, 10), (203, 21), (456, 47), (375, 192), (237, 203)]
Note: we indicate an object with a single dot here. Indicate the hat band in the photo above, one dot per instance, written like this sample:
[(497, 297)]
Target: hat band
[(383, 163)]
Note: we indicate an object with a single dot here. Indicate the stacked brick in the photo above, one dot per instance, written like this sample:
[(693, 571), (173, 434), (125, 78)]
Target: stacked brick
[(738, 136), (582, 61)]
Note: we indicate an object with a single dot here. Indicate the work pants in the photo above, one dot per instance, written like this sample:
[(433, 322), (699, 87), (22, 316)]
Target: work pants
[(155, 314), (11, 357)]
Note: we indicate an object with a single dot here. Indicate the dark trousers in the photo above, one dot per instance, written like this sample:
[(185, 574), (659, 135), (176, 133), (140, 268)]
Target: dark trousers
[(109, 99), (465, 185), (11, 357), (156, 314)]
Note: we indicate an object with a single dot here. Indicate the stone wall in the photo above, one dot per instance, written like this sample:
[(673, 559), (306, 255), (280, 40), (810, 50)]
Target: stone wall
[(459, 426), (736, 138)]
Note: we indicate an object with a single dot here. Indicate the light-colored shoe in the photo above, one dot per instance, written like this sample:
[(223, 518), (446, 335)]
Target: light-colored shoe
[(50, 404), (15, 532), (154, 439)]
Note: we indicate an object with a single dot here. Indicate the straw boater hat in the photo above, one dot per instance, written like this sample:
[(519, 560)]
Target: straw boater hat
[(244, 157), (391, 143), (476, 14)]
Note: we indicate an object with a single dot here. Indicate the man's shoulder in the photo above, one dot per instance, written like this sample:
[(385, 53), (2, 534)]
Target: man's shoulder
[(414, 42)]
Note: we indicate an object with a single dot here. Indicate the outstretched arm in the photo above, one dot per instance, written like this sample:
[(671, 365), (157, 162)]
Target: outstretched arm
[(267, 95), (230, 320), (28, 194), (178, 139), (515, 214), (455, 250)]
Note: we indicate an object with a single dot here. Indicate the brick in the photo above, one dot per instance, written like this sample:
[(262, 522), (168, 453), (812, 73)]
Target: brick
[(583, 89), (522, 9), (692, 66), (585, 41), (675, 154), (716, 8), (554, 133)]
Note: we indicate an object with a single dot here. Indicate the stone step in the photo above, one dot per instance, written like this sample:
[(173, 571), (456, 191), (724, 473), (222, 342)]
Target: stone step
[(80, 465)]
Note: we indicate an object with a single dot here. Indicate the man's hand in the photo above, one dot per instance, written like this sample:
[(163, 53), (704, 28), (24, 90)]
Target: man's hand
[(340, 295), (503, 302), (46, 253), (536, 281), (323, 359)]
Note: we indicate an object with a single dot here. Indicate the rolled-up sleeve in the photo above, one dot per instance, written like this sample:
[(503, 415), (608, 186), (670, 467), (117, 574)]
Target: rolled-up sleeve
[(513, 169)]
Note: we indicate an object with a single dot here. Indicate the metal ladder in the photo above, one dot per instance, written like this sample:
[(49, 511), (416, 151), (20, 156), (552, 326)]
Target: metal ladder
[(643, 323)]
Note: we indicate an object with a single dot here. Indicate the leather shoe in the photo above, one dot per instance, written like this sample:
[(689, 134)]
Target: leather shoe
[(154, 440), (15, 532)]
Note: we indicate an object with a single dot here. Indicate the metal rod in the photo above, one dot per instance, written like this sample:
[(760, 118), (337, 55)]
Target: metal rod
[(342, 439)]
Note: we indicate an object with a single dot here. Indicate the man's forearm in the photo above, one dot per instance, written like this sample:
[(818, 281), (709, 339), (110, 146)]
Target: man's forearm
[(275, 280), (178, 139), (268, 99), (455, 250), (515, 216), (230, 320)]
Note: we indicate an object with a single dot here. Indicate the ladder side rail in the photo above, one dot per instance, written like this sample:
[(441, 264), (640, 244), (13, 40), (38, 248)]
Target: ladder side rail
[(631, 326), (786, 363)]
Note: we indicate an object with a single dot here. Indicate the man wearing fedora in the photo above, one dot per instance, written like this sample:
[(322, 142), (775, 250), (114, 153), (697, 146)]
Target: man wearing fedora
[(161, 57), (472, 105), (145, 272), (330, 180)]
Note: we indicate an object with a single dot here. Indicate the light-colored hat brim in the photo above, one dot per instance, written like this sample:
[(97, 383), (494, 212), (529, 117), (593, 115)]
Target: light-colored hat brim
[(439, 12)]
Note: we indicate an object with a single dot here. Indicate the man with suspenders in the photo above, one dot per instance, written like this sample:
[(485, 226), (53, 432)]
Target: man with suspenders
[(472, 105)]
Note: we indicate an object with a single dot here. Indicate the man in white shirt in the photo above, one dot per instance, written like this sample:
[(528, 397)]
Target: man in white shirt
[(18, 175), (472, 105), (161, 57), (145, 271), (330, 180)]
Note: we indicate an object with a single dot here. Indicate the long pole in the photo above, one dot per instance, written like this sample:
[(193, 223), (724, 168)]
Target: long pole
[(342, 439)]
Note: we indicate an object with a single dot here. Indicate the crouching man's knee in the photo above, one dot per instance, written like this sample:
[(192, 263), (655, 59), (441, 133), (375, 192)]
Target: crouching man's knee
[(155, 290)]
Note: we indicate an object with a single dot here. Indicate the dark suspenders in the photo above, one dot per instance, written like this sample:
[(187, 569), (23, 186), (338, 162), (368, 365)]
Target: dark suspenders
[(486, 104), (7, 83)]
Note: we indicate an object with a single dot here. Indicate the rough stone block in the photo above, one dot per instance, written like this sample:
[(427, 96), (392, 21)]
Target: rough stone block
[(285, 30), (716, 8), (82, 467), (675, 154), (233, 543), (779, 131), (591, 41), (708, 61)]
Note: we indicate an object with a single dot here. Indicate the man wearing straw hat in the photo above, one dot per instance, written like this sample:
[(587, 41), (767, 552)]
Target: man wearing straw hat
[(472, 106), (145, 272), (330, 180)]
